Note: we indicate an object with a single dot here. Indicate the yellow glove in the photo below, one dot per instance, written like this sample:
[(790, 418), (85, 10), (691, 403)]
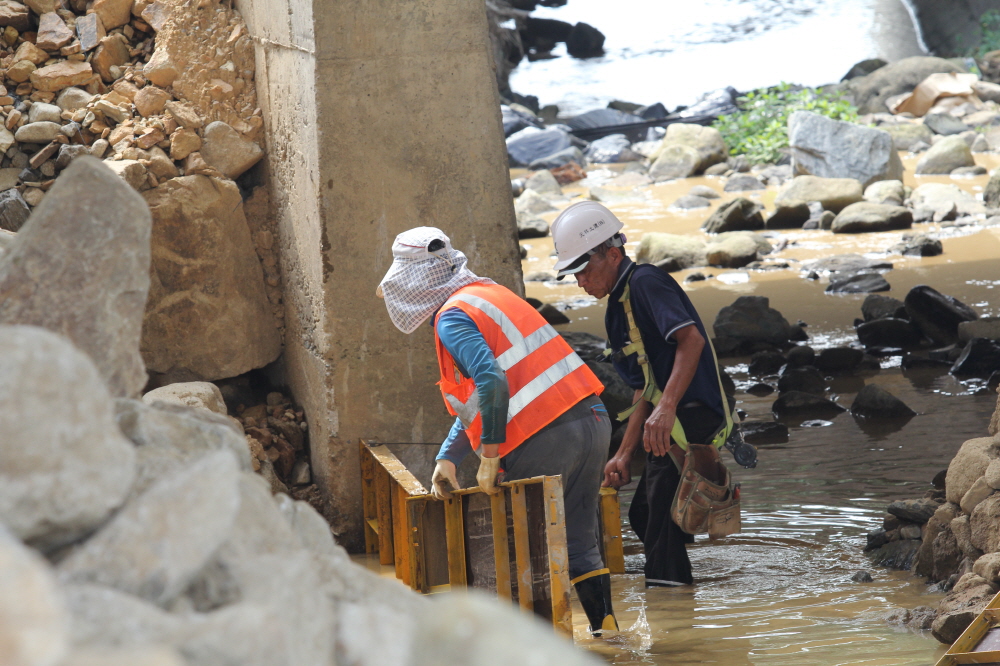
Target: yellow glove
[(487, 474), (443, 481)]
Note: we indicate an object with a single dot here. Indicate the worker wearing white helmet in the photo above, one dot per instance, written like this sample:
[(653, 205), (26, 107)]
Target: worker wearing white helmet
[(660, 349)]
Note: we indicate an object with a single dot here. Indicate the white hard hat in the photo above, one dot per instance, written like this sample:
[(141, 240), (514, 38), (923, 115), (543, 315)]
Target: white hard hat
[(578, 230)]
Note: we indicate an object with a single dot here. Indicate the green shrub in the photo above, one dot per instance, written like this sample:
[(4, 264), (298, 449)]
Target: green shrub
[(989, 28), (760, 129)]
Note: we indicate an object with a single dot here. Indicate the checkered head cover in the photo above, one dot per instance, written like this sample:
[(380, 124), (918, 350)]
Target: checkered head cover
[(425, 272)]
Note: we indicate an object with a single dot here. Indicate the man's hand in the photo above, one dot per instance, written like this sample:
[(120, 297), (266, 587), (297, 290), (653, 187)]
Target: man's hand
[(487, 474), (616, 473), (656, 436), (444, 480)]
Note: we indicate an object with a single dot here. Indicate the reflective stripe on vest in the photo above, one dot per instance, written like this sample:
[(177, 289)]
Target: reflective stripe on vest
[(520, 346)]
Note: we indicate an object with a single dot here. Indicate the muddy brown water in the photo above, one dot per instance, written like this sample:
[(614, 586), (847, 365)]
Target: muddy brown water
[(780, 592)]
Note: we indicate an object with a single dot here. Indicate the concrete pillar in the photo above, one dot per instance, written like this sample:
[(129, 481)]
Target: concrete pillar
[(381, 115)]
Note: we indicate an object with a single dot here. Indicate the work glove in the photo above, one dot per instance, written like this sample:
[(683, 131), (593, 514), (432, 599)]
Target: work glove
[(487, 474), (443, 481)]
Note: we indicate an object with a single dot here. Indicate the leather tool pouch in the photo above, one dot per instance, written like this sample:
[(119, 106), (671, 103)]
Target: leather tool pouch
[(706, 502)]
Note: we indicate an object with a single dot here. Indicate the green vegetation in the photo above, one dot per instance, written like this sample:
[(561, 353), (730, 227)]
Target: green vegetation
[(989, 26), (760, 130)]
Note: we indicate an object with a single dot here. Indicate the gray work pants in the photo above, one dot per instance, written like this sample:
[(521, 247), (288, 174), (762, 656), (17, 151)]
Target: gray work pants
[(577, 450)]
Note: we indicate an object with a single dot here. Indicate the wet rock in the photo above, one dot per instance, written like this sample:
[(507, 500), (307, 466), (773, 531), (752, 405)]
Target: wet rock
[(33, 619), (917, 511), (765, 363), (944, 124), (876, 539), (987, 327), (806, 380), (865, 217), (674, 162), (224, 149), (828, 148), (737, 215), (848, 263), (936, 314), (979, 358), (970, 463), (99, 229), (585, 41), (874, 402), (902, 76), (678, 251), (942, 198), (889, 332), (64, 467), (733, 251), (204, 395), (688, 202), (918, 245), (889, 192), (14, 210), (860, 283), (906, 136), (751, 319), (837, 360), (864, 68), (764, 432), (834, 194), (703, 191), (961, 606), (945, 156), (559, 159), (552, 315), (159, 542), (788, 215), (947, 627), (528, 145), (800, 404), (760, 389), (801, 355), (743, 182), (896, 554)]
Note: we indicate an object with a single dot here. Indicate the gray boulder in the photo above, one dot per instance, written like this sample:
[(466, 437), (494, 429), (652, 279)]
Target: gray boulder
[(706, 142), (531, 144), (831, 148), (530, 225), (917, 245), (987, 327), (865, 216), (88, 243), (944, 124), (873, 402), (556, 160), (945, 198), (968, 465), (788, 215), (736, 215), (689, 201), (991, 193), (156, 546), (670, 251), (886, 192), (675, 161), (871, 92), (905, 136), (735, 250), (804, 405), (834, 194), (703, 191), (945, 156), (847, 263), (14, 210), (860, 283), (64, 466), (544, 183), (33, 619), (743, 182), (751, 319)]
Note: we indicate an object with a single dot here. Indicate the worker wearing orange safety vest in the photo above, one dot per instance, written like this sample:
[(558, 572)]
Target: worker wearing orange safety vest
[(522, 397)]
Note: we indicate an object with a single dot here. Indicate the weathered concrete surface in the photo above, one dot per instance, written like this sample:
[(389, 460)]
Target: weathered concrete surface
[(396, 118)]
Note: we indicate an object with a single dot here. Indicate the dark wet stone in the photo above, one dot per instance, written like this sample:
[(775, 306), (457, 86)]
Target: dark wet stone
[(862, 577), (750, 318), (888, 332), (807, 380), (915, 362), (801, 404), (936, 314), (552, 315), (896, 554), (876, 539), (861, 283), (939, 479), (765, 363), (877, 306), (801, 355), (839, 359), (849, 263), (764, 432), (873, 401), (695, 277), (979, 358), (917, 511), (760, 389), (793, 216)]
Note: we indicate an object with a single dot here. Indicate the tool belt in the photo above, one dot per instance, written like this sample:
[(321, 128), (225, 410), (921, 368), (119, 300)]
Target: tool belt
[(706, 501)]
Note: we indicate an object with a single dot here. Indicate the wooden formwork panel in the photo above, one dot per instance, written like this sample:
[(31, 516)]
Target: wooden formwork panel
[(612, 548)]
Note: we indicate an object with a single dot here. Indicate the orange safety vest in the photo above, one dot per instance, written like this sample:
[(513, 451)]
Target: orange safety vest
[(545, 377)]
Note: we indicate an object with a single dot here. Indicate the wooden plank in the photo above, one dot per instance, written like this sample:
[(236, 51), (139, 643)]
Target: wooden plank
[(435, 544), (501, 551), (477, 516), (538, 547), (519, 515), (970, 638), (400, 534), (982, 658), (416, 507), (611, 531), (383, 497), (558, 554), (368, 501), (455, 537), (402, 476)]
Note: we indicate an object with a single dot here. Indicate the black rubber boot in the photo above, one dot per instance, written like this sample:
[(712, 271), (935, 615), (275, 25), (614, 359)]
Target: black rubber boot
[(595, 597)]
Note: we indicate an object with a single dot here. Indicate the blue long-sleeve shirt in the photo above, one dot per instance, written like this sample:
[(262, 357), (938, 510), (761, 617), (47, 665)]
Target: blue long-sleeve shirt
[(463, 340)]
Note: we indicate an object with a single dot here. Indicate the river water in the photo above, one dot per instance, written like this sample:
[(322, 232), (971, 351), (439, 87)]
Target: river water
[(781, 591), (671, 51)]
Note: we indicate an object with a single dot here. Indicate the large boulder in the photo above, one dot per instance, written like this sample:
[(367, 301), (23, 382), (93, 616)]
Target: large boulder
[(831, 148), (859, 283), (208, 315), (986, 327), (64, 466), (945, 196), (936, 314), (878, 307), (889, 332), (80, 267), (531, 144), (961, 606), (874, 402), (675, 161), (905, 136), (979, 358), (33, 619), (890, 192), (670, 251), (160, 541), (871, 92), (804, 405), (707, 142), (948, 154), (751, 319), (968, 465), (737, 215), (224, 149), (865, 216), (733, 250), (834, 194)]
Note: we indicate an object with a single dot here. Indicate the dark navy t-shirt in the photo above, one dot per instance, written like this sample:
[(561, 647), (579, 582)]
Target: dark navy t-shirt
[(660, 308)]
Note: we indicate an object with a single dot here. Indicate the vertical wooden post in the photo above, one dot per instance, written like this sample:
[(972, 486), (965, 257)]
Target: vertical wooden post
[(368, 500), (558, 552), (400, 533), (383, 497), (522, 552), (611, 531), (455, 536), (501, 552), (415, 509)]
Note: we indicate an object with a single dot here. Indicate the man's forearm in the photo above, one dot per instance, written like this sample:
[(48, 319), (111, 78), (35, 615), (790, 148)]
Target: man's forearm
[(690, 344)]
